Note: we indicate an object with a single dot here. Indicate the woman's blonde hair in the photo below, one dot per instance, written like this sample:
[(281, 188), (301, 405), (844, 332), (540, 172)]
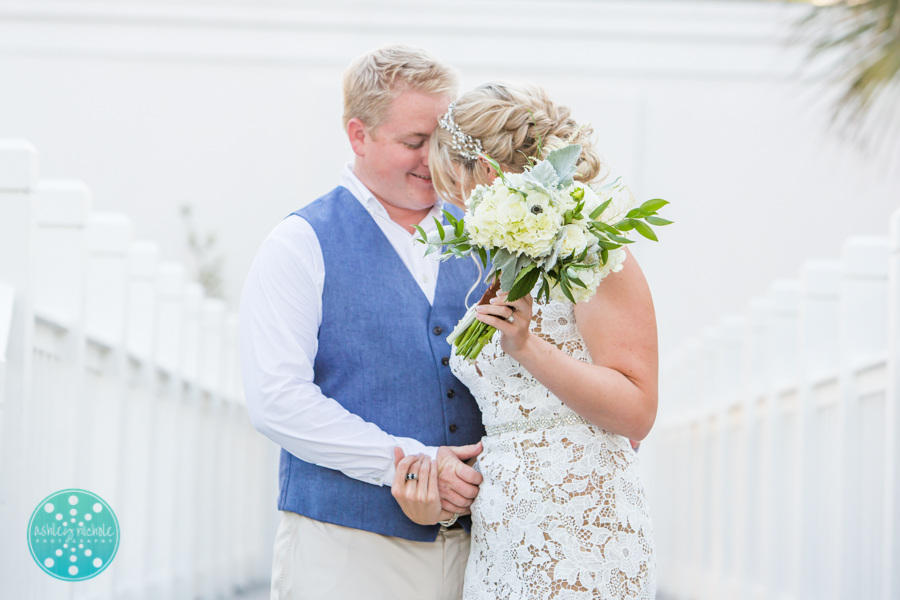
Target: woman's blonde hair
[(511, 121), (374, 79)]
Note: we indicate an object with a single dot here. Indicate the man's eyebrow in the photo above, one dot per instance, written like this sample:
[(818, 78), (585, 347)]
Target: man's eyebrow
[(424, 135)]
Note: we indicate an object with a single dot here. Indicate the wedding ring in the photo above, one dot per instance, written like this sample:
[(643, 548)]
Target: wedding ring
[(411, 476)]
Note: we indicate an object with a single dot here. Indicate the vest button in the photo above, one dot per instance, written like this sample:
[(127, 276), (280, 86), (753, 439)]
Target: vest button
[(450, 393), (438, 330), (445, 361), (453, 428)]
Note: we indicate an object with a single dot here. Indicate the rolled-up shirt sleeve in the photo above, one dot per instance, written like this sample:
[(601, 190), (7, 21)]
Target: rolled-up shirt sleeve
[(280, 314)]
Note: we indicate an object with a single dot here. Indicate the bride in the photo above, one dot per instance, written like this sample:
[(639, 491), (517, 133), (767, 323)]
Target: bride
[(561, 512)]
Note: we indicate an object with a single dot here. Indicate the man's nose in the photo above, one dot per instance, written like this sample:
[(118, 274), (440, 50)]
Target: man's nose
[(426, 148)]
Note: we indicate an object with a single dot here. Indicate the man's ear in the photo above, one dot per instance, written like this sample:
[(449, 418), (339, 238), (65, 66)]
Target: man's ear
[(357, 132)]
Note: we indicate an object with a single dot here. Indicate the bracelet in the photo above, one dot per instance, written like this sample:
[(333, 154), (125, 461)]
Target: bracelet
[(449, 521)]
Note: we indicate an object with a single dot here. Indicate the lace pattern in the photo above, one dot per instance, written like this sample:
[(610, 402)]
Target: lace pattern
[(561, 513)]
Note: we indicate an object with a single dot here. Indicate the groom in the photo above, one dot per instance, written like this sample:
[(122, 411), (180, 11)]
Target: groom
[(343, 328)]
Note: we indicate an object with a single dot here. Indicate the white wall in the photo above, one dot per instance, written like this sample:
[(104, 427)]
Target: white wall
[(235, 107)]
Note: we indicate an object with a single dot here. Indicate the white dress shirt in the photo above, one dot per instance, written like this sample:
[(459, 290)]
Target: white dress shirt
[(280, 314)]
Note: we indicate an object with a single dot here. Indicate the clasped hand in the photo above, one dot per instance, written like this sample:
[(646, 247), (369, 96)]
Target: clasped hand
[(442, 487)]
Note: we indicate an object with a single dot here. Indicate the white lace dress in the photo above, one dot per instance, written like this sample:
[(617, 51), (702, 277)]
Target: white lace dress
[(561, 513)]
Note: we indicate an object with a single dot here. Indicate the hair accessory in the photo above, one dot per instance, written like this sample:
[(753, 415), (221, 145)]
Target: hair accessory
[(466, 146)]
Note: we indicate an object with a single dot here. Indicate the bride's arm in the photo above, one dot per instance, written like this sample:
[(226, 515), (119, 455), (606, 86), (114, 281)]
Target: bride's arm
[(618, 392)]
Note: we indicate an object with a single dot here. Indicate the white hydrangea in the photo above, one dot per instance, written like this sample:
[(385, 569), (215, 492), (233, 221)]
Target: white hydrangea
[(501, 217), (591, 278)]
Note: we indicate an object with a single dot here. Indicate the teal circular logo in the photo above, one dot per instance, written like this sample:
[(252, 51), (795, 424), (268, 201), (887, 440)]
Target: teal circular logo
[(73, 535)]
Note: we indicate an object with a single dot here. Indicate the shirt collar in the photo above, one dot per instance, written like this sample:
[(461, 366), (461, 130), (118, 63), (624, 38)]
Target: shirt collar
[(351, 182)]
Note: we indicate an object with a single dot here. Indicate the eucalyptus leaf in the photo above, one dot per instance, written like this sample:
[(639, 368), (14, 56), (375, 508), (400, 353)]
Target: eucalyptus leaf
[(543, 175), (505, 262), (609, 185), (564, 163)]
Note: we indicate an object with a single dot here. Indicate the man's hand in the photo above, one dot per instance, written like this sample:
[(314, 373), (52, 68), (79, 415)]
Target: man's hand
[(458, 482)]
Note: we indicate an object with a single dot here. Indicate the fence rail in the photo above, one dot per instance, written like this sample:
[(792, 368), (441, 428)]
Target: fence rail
[(772, 471), (118, 376)]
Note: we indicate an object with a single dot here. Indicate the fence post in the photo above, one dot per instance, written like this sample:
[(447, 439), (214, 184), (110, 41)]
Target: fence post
[(818, 358), (18, 177), (138, 420), (863, 338), (187, 552), (59, 265), (756, 386), (165, 442), (733, 458), (781, 445), (891, 569)]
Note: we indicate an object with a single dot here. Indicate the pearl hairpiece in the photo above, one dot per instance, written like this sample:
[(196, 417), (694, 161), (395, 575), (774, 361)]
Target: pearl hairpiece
[(466, 146)]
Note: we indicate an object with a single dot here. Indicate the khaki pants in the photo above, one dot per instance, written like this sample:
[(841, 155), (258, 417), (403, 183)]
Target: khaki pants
[(320, 561)]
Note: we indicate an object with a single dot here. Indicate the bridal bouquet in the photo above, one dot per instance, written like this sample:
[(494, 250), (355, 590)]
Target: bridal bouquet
[(541, 226)]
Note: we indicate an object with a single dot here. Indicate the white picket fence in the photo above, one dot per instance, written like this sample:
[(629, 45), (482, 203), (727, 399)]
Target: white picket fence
[(117, 376), (773, 470)]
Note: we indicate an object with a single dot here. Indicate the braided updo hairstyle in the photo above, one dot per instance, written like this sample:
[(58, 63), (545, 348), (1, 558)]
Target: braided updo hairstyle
[(510, 120)]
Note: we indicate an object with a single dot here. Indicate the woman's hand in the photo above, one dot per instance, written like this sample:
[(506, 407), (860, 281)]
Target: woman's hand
[(419, 497), (516, 335)]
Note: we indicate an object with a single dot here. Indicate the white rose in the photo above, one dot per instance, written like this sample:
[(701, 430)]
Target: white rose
[(573, 239)]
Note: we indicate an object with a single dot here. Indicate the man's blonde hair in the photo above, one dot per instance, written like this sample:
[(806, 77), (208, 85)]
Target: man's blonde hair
[(373, 80)]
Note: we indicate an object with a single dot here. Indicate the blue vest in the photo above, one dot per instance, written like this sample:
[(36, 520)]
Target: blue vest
[(382, 354)]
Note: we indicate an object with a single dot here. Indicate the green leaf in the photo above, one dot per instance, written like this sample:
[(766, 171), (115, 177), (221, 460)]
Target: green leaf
[(439, 227), (657, 221), (599, 210), (482, 253), (651, 206), (578, 282), (619, 238), (644, 229), (604, 256), (421, 231), (450, 218), (459, 227), (625, 225), (608, 245), (431, 249), (545, 290), (524, 284), (568, 292), (496, 166), (634, 212)]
